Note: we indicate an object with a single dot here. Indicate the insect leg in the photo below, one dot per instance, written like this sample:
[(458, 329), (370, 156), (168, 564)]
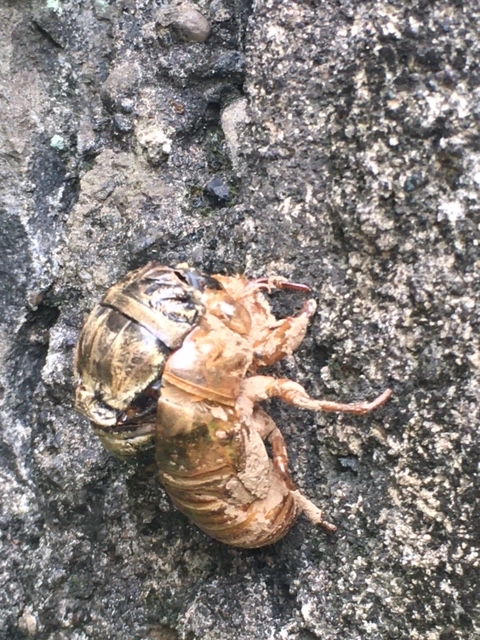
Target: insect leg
[(280, 462), (283, 339), (280, 456), (270, 432), (259, 388), (276, 282), (312, 512)]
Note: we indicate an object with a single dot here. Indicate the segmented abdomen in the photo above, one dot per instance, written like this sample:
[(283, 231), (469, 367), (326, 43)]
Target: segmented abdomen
[(207, 500)]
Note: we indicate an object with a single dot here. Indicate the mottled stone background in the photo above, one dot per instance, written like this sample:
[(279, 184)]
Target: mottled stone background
[(336, 143)]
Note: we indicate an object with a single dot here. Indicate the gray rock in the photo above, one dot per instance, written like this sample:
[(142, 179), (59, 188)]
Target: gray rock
[(360, 176)]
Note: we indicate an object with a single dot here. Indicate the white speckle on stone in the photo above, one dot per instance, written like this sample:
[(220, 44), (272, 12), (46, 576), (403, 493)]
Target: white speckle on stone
[(57, 142), (275, 33), (55, 5), (233, 118), (391, 29), (28, 623), (474, 359), (434, 102), (350, 130), (414, 24), (154, 140), (305, 610), (451, 211)]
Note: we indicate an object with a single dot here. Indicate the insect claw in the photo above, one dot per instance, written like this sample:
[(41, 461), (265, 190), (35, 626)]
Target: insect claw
[(296, 286), (278, 282), (378, 402)]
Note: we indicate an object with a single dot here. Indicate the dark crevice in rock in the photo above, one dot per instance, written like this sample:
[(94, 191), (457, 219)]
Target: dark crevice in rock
[(28, 353)]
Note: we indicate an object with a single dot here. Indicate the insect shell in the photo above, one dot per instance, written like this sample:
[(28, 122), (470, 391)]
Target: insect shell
[(169, 359)]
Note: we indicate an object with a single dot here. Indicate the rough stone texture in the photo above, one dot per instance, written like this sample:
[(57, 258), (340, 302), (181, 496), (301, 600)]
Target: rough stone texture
[(358, 172)]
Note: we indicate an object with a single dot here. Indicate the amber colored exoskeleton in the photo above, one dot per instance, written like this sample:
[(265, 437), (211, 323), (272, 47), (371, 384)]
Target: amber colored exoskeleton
[(195, 394)]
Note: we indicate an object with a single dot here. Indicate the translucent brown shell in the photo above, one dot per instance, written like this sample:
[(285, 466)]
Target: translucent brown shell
[(209, 432)]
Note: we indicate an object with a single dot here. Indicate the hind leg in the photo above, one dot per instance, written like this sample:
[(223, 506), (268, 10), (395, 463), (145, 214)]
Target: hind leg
[(273, 435)]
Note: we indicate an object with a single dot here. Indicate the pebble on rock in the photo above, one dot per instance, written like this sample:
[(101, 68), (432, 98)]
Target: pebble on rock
[(187, 20)]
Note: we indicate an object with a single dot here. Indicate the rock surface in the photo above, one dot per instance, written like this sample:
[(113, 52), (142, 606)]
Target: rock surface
[(355, 169)]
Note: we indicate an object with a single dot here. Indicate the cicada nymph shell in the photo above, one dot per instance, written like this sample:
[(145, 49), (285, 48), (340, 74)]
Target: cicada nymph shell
[(170, 359)]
